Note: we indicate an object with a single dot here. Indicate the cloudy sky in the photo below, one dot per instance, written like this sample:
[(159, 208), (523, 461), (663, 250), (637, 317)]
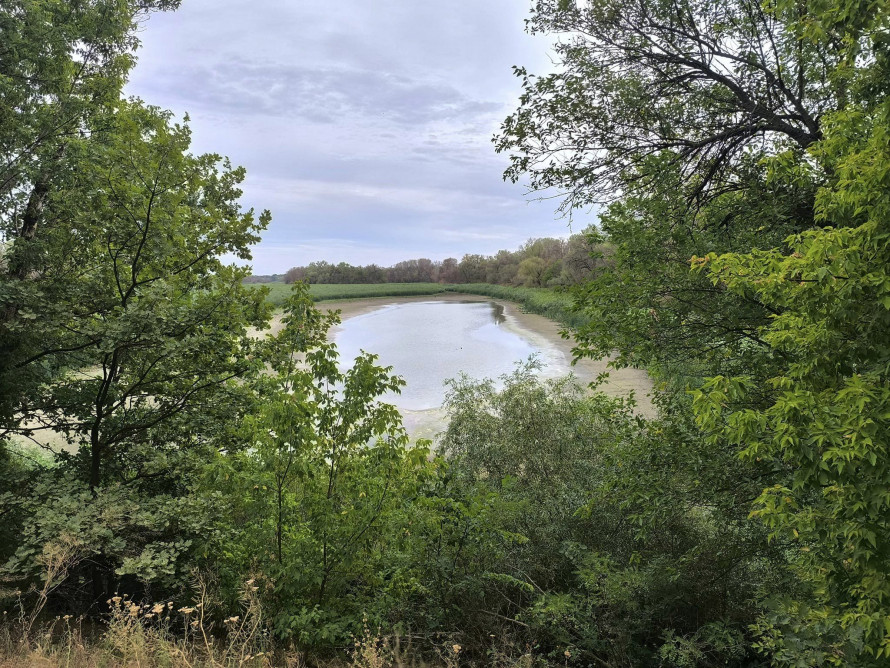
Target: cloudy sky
[(365, 127)]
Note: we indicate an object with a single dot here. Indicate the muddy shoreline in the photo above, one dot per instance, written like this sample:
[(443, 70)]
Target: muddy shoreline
[(538, 329)]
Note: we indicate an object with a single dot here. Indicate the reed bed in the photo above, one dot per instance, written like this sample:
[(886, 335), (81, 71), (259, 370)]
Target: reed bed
[(550, 303)]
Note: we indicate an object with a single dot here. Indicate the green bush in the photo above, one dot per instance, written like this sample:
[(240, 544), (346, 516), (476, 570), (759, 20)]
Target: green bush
[(619, 555)]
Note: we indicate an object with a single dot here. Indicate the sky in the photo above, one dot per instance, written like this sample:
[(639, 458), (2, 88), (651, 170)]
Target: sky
[(365, 127)]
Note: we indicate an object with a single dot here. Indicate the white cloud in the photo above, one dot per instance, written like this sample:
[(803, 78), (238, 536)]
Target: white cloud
[(364, 127)]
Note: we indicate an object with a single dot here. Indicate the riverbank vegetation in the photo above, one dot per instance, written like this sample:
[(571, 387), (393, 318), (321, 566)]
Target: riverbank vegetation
[(558, 305), (228, 499), (279, 292)]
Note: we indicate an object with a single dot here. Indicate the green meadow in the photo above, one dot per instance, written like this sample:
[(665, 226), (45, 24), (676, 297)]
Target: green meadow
[(327, 292)]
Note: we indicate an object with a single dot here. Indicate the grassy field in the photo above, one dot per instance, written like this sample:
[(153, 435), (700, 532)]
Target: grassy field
[(542, 301), (279, 291)]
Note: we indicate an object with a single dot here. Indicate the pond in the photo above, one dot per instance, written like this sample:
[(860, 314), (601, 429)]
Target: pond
[(428, 342)]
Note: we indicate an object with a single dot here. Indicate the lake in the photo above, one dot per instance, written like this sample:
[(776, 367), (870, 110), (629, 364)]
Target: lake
[(429, 341)]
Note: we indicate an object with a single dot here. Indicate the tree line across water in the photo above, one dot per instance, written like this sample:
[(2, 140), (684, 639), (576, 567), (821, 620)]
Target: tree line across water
[(181, 484), (545, 262)]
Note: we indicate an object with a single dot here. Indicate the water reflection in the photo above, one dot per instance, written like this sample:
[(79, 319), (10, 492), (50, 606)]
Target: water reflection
[(429, 342)]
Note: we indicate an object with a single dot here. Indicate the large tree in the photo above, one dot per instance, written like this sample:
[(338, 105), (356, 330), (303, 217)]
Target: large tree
[(123, 328), (137, 325), (670, 111), (750, 140), (703, 82), (62, 68)]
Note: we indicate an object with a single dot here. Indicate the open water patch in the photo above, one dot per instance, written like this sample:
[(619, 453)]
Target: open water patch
[(429, 342)]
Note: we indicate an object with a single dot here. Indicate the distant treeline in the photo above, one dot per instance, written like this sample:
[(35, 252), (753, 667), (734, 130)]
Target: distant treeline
[(543, 262), (265, 278)]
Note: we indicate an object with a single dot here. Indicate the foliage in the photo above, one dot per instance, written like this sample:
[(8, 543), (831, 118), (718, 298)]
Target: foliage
[(743, 148), (827, 418), (618, 553), (279, 292), (550, 303), (698, 85), (751, 139), (654, 312), (62, 66), (123, 331), (555, 261), (327, 464)]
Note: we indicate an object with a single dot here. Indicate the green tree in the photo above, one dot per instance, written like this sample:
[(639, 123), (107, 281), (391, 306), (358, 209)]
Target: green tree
[(62, 67), (628, 540), (531, 271), (826, 421), (311, 498), (665, 110), (756, 133), (141, 329), (700, 82)]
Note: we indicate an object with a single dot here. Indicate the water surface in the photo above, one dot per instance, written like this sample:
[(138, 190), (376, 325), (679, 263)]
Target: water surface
[(429, 342)]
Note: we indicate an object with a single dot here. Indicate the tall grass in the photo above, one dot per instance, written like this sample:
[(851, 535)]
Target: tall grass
[(157, 636), (334, 291), (278, 292), (553, 304), (147, 635), (161, 634)]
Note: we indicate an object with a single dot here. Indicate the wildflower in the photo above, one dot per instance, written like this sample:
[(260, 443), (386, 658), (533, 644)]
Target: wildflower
[(186, 611), (568, 654), (457, 648), (116, 599), (158, 608)]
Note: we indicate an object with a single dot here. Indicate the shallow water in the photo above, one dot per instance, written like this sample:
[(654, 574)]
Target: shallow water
[(429, 342)]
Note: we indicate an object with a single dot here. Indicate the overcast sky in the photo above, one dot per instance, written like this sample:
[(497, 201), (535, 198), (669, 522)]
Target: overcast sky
[(365, 127)]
